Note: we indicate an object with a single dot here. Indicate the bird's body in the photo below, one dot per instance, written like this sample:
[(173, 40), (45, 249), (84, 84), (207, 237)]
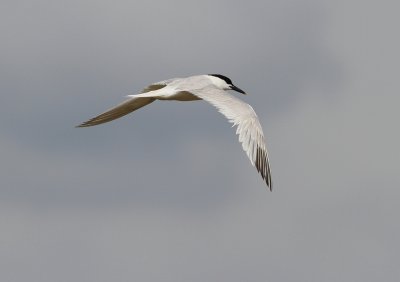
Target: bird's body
[(210, 88)]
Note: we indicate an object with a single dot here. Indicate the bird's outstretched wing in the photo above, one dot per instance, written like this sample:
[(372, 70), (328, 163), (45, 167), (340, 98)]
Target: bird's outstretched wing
[(249, 129), (118, 111), (126, 107)]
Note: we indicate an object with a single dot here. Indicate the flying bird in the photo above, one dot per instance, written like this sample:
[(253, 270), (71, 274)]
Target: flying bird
[(212, 89)]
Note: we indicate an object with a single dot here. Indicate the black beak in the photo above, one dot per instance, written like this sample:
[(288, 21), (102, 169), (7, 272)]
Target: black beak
[(233, 87)]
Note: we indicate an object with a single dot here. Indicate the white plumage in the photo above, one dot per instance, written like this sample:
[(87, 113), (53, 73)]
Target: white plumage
[(210, 88)]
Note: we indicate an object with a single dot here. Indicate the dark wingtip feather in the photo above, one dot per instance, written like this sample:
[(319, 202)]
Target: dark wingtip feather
[(263, 167), (86, 124), (82, 125)]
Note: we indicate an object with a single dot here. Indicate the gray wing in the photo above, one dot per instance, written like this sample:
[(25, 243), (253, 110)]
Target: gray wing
[(156, 86), (161, 84), (127, 106), (118, 111), (249, 128)]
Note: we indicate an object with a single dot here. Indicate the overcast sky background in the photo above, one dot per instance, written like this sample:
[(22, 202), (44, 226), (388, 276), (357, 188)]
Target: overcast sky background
[(167, 194)]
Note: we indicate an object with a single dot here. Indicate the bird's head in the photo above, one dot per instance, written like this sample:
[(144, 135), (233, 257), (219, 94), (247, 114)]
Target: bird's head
[(225, 83)]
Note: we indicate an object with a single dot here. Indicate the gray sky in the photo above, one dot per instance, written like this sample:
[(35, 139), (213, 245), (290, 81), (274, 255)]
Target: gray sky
[(167, 194)]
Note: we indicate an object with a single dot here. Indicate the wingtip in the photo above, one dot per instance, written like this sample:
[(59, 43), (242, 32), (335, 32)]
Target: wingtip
[(269, 180), (84, 124)]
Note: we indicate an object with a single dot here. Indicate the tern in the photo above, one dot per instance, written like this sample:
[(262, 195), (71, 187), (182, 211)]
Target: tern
[(211, 88)]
